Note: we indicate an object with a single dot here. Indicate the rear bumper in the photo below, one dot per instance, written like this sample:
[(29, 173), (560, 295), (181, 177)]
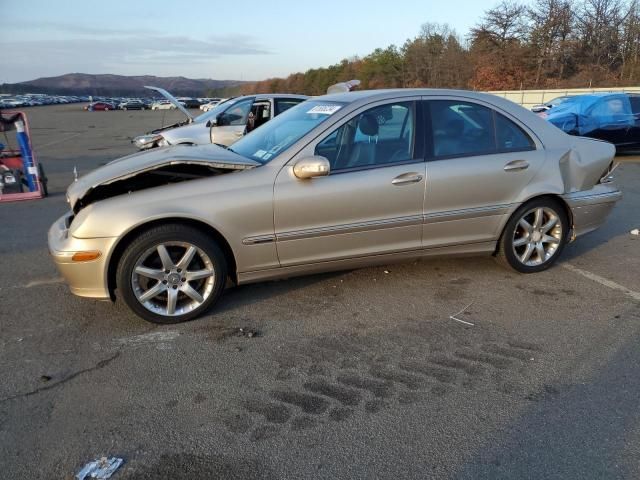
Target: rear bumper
[(590, 208), (85, 279)]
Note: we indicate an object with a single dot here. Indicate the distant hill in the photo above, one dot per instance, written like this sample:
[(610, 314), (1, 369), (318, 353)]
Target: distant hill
[(118, 85)]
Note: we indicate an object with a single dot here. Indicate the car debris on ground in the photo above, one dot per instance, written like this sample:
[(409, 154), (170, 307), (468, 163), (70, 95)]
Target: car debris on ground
[(101, 468), (455, 316), (248, 332)]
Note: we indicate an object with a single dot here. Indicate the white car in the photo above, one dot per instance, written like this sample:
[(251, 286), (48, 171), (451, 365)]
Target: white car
[(163, 105), (205, 107), (224, 124)]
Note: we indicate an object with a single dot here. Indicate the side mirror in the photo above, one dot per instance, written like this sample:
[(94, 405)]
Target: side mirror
[(309, 167)]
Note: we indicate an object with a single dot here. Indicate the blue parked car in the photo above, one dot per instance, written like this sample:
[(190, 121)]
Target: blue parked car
[(614, 117)]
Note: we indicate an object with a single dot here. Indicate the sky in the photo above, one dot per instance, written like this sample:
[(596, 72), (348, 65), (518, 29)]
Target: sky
[(231, 40)]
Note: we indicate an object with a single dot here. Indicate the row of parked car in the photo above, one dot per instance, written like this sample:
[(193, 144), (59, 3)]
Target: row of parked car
[(8, 101), (150, 104)]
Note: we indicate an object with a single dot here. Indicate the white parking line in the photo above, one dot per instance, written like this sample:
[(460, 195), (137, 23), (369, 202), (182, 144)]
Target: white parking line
[(602, 281), (38, 283), (45, 281)]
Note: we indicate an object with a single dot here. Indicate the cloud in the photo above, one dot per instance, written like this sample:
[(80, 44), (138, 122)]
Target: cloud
[(118, 52), (75, 29)]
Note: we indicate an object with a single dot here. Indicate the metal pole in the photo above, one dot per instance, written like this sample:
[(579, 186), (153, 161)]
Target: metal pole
[(30, 170)]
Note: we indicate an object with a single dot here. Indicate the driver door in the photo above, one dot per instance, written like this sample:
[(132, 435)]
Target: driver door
[(369, 204), (232, 123)]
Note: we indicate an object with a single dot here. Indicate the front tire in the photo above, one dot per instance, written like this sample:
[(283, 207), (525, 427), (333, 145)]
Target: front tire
[(171, 273), (534, 236)]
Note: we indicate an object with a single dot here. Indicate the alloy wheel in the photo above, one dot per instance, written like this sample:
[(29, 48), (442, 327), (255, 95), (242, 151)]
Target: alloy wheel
[(173, 278), (537, 236)]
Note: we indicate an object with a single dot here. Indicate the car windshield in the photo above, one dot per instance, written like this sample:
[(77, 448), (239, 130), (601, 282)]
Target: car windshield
[(272, 138), (215, 111)]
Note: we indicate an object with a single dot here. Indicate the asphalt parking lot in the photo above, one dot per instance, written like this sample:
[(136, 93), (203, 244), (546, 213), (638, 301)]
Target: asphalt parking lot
[(358, 374)]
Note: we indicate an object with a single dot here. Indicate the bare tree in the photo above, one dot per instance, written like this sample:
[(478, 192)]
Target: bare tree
[(599, 25), (551, 25), (435, 58), (630, 42), (503, 24)]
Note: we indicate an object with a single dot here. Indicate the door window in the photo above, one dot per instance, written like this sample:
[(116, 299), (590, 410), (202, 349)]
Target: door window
[(260, 114), (469, 129), (284, 104), (510, 137), (237, 114), (379, 136)]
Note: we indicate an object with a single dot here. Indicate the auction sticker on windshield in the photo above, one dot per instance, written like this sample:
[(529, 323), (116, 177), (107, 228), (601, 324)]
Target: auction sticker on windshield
[(325, 109)]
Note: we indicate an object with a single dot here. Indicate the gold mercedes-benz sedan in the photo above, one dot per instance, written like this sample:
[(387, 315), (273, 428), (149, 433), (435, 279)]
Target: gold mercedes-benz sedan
[(336, 182)]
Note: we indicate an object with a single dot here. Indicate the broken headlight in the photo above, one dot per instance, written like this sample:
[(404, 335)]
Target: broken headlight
[(147, 141)]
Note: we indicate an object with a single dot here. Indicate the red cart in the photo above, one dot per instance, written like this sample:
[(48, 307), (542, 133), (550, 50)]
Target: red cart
[(20, 178)]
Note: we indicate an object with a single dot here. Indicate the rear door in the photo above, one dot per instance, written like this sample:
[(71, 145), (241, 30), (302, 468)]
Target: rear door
[(479, 161)]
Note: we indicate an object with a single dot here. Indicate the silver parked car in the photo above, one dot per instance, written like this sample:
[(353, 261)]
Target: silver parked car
[(223, 124), (337, 182)]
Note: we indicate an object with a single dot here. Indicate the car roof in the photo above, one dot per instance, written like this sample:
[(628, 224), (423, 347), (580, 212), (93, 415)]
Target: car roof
[(351, 97), (260, 96)]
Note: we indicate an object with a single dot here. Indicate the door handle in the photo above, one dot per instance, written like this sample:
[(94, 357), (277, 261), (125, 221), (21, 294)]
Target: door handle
[(406, 178), (516, 165), (238, 134)]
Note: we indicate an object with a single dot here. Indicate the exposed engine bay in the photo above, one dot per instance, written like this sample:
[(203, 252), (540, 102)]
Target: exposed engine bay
[(165, 175)]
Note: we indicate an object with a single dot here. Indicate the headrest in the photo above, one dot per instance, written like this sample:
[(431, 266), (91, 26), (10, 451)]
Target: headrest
[(368, 125)]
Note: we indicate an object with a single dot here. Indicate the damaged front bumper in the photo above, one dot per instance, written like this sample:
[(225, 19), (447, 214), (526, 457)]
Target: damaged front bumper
[(82, 262), (590, 208)]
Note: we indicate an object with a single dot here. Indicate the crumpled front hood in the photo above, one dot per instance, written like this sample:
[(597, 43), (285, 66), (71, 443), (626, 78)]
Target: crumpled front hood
[(210, 155)]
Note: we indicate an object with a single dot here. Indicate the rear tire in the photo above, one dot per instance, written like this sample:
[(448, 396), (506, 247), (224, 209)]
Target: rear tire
[(534, 236), (171, 273)]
